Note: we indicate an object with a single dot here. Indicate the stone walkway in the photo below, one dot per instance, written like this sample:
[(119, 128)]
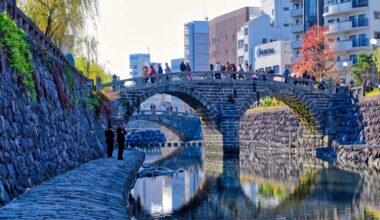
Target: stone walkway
[(92, 191)]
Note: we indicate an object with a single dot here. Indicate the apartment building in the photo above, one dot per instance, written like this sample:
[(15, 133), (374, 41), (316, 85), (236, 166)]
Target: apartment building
[(305, 13), (351, 24), (196, 45), (222, 33)]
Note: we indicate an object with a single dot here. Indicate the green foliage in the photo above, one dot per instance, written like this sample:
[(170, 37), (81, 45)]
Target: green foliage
[(92, 70), (361, 69), (13, 40), (91, 100), (64, 22), (269, 102), (69, 78), (374, 92)]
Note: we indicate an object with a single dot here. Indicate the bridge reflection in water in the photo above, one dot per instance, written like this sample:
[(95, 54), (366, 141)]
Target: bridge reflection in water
[(258, 184)]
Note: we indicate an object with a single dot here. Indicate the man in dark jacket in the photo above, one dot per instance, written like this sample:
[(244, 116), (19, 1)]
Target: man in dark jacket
[(182, 67), (109, 140), (121, 141)]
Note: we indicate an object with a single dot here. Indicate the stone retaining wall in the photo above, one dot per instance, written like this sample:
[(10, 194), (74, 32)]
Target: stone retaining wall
[(41, 139), (279, 126)]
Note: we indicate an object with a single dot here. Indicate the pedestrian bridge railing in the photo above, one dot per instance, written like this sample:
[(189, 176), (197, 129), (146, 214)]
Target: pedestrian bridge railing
[(165, 113), (214, 77)]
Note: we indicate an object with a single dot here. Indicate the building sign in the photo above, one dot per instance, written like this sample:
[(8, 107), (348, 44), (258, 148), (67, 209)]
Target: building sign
[(265, 52)]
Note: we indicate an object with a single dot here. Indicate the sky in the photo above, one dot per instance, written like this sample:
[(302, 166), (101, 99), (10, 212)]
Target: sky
[(131, 26)]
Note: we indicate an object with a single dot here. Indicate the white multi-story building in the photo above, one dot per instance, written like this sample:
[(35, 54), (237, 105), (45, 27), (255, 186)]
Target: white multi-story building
[(351, 24), (137, 63), (274, 56), (196, 45), (272, 25)]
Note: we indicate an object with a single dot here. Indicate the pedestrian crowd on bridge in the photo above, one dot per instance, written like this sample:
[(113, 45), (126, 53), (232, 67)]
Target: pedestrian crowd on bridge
[(238, 72)]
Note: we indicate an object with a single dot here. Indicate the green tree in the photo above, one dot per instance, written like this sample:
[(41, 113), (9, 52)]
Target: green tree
[(92, 69), (63, 21), (376, 59), (362, 69)]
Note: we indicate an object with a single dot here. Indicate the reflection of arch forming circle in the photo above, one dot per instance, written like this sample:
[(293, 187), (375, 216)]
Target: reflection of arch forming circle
[(197, 101)]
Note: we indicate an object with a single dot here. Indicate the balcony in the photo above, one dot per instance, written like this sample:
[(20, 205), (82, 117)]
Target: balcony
[(351, 45), (297, 28), (347, 26), (296, 44), (296, 12), (345, 7), (343, 45)]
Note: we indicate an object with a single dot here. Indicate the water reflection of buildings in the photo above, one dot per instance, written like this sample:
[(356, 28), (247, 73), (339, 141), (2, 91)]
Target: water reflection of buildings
[(164, 194)]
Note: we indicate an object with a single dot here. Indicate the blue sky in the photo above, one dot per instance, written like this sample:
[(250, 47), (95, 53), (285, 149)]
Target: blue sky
[(130, 26)]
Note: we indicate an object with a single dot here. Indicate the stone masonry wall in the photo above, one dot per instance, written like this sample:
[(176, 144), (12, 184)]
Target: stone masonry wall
[(278, 126), (41, 139)]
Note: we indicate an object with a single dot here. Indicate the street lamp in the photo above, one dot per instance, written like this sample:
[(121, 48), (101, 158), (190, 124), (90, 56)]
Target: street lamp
[(373, 41), (345, 65)]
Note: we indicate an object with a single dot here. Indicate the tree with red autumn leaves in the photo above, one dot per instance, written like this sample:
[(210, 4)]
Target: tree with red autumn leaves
[(316, 55)]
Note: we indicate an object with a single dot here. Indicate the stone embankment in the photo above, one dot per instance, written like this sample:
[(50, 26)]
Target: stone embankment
[(277, 127), (96, 190), (42, 138), (368, 153)]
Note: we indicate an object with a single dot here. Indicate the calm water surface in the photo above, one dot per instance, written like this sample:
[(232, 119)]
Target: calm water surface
[(257, 184)]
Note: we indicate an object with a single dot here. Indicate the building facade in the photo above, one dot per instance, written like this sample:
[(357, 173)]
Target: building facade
[(137, 63), (305, 14), (223, 34), (351, 24), (273, 24), (196, 45), (274, 56)]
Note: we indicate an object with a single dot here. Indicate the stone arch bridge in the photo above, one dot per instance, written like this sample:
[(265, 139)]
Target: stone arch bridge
[(221, 103), (185, 125)]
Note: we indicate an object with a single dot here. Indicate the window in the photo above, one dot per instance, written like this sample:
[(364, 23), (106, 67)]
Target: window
[(264, 41), (240, 44), (297, 37), (246, 48), (226, 51), (241, 59), (233, 37), (245, 31), (376, 15), (363, 40), (354, 58), (377, 35), (226, 37), (362, 20), (286, 25), (286, 9)]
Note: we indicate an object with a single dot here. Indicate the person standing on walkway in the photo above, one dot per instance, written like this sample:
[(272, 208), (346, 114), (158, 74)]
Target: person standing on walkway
[(121, 141), (286, 74), (211, 67), (152, 74), (160, 71), (109, 140)]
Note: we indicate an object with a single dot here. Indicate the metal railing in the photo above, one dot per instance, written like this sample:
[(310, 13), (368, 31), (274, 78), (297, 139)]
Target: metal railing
[(215, 77), (37, 35)]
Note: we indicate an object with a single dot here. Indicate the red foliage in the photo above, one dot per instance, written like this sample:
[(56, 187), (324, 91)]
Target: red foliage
[(316, 55), (57, 73)]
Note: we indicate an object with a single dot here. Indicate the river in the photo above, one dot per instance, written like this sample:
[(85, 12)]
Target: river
[(257, 184)]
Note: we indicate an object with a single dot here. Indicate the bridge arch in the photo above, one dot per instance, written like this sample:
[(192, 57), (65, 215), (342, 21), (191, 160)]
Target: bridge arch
[(203, 107)]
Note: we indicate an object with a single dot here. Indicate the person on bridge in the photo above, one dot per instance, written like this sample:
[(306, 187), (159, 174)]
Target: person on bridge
[(152, 74), (286, 74), (121, 141), (160, 71), (167, 69), (182, 67), (218, 69), (146, 74), (211, 67), (241, 72), (188, 69), (109, 140)]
